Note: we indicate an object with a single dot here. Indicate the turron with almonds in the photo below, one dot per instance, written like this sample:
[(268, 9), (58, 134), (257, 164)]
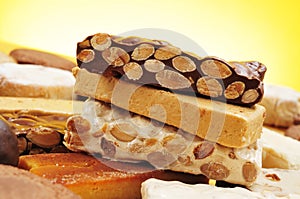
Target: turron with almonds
[(152, 102), (160, 64)]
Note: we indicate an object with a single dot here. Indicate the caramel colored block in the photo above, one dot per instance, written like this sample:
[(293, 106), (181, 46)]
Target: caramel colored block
[(228, 125), (93, 178)]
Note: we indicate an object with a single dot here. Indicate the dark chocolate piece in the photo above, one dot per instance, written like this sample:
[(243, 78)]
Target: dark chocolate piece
[(8, 145), (159, 64)]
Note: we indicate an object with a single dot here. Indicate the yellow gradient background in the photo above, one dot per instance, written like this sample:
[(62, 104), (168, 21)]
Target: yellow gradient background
[(266, 31)]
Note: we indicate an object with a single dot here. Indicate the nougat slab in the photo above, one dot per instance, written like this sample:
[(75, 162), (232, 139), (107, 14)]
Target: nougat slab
[(226, 124), (117, 135)]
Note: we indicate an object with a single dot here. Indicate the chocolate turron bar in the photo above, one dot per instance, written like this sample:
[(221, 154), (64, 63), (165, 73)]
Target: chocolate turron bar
[(141, 107), (160, 64)]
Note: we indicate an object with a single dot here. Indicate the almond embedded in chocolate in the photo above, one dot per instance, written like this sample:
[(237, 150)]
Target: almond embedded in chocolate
[(115, 56), (166, 52), (153, 65), (209, 87), (215, 69), (86, 55), (100, 41), (183, 64), (250, 96), (133, 70), (172, 80), (234, 90), (142, 52)]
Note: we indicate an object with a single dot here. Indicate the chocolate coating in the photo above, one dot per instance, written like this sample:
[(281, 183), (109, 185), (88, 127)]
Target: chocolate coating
[(9, 153)]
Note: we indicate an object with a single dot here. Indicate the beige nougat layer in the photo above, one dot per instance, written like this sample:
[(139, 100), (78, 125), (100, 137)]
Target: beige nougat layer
[(119, 135), (226, 124)]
